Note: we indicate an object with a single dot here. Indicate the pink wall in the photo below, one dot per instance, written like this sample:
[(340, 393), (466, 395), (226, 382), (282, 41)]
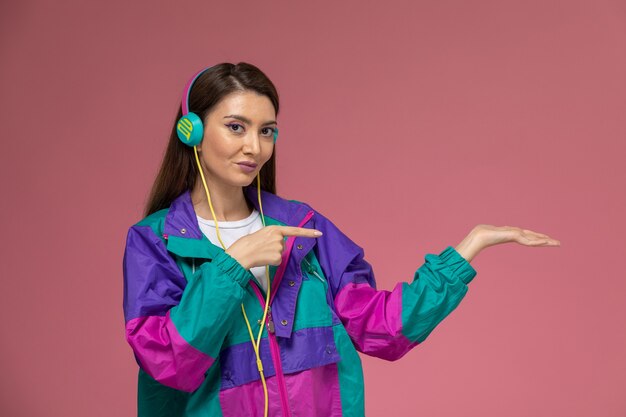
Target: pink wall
[(406, 125)]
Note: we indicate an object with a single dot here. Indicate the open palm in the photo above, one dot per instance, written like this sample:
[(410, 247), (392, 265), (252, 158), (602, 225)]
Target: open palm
[(494, 235)]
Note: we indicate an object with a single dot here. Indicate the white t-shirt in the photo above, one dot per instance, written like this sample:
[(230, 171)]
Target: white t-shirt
[(231, 231)]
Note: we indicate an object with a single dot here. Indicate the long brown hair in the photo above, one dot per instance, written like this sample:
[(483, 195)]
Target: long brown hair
[(178, 171)]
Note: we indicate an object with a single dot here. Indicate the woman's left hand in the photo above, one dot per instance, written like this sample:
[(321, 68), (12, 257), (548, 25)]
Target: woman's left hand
[(490, 235), (485, 235)]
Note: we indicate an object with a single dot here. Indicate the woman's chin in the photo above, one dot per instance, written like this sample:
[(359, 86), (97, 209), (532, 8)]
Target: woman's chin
[(245, 180)]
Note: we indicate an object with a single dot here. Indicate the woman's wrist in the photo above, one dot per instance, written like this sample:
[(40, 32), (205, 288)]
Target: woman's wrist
[(469, 247), (237, 257)]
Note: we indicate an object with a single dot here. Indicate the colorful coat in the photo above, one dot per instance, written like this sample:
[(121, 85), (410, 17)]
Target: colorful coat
[(182, 307)]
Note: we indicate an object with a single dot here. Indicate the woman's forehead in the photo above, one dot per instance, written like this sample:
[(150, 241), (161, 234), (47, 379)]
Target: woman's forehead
[(257, 108)]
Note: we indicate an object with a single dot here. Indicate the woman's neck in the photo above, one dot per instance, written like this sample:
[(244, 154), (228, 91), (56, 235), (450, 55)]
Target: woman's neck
[(229, 203)]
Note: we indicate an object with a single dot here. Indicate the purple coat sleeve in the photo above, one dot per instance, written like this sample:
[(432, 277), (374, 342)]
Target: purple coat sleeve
[(175, 327)]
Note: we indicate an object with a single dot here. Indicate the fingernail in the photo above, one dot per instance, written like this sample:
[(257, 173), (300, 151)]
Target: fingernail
[(317, 233)]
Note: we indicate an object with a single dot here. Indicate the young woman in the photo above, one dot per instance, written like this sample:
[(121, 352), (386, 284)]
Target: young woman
[(239, 302)]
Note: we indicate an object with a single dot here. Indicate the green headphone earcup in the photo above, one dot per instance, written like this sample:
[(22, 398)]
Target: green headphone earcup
[(190, 129)]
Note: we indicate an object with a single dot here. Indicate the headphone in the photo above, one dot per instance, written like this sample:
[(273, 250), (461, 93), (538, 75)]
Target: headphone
[(189, 127)]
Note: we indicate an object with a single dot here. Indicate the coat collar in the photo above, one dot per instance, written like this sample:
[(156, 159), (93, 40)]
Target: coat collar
[(185, 238)]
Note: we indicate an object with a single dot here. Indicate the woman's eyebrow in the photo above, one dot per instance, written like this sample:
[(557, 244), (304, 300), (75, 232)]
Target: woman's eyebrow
[(246, 120)]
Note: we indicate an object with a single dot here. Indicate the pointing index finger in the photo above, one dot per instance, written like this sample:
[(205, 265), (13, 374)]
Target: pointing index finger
[(299, 231)]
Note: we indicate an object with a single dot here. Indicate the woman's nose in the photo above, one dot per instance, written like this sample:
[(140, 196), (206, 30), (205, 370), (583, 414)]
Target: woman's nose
[(252, 143)]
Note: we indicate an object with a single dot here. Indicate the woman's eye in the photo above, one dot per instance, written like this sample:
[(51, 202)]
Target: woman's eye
[(268, 131), (235, 127)]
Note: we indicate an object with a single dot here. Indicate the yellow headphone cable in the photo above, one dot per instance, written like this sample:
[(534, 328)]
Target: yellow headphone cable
[(256, 345)]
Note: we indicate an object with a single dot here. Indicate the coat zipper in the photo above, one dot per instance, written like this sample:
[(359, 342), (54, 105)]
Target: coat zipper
[(275, 352), (278, 365), (274, 348)]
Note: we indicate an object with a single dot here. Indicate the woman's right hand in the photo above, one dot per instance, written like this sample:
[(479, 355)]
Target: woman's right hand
[(266, 246)]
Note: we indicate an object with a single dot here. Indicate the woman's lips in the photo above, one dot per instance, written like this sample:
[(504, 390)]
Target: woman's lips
[(247, 168)]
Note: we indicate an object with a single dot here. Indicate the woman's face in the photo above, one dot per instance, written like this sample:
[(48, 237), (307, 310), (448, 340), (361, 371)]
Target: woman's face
[(240, 128)]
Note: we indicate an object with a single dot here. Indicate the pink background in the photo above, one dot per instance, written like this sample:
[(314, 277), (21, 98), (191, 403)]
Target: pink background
[(406, 123)]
